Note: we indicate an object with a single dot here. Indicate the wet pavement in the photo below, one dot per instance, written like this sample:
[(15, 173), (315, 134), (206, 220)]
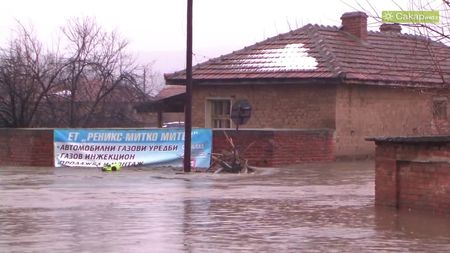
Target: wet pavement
[(308, 208)]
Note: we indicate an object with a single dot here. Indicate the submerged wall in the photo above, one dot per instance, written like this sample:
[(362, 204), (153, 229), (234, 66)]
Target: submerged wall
[(271, 147), (26, 147), (413, 173), (279, 147)]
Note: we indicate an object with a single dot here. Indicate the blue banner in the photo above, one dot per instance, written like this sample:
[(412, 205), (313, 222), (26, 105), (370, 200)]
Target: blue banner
[(158, 147)]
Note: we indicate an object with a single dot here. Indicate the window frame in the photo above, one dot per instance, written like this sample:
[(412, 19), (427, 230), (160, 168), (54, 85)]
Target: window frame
[(209, 117), (440, 108)]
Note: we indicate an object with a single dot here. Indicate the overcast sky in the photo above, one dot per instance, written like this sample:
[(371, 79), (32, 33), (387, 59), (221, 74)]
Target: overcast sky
[(156, 29)]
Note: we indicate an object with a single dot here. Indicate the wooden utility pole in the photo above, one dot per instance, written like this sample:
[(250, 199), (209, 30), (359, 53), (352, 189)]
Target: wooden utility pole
[(188, 104)]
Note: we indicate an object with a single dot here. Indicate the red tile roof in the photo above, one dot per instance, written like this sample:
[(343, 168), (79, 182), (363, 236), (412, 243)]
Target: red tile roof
[(170, 91), (323, 52), (169, 99)]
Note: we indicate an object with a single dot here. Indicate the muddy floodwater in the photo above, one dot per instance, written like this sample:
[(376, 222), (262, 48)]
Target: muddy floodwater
[(308, 208)]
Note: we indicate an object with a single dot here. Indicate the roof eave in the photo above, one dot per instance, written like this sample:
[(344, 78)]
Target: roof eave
[(257, 81), (397, 84)]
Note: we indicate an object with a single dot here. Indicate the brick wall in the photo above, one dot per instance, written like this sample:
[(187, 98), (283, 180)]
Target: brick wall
[(278, 147), (424, 186), (413, 173), (365, 111), (279, 106), (355, 111), (26, 147), (34, 147)]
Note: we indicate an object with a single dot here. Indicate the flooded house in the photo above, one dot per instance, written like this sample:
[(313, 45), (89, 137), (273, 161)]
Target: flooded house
[(355, 82)]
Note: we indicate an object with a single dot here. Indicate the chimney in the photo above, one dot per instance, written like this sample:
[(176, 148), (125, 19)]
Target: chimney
[(355, 23), (394, 28)]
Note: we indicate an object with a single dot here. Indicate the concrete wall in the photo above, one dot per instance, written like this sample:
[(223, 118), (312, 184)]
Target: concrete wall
[(278, 106), (364, 111), (34, 147), (413, 173)]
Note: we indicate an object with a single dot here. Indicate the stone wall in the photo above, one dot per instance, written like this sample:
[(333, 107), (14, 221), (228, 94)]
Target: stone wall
[(413, 173)]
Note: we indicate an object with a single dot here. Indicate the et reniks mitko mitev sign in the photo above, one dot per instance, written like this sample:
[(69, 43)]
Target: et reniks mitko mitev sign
[(158, 147)]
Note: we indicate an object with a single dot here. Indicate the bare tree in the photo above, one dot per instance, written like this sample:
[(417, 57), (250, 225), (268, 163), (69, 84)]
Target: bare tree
[(93, 81), (96, 64), (148, 80), (430, 37), (436, 31), (27, 73)]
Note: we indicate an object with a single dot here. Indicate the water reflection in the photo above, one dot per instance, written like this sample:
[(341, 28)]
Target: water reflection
[(313, 208)]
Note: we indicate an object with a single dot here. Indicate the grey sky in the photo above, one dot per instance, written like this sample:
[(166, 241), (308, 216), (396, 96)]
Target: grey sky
[(156, 28)]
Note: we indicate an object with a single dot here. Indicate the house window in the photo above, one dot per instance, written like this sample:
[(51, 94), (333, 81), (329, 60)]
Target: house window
[(218, 113), (440, 108)]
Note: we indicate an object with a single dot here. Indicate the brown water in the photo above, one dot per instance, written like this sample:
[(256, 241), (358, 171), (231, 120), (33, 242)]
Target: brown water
[(310, 208)]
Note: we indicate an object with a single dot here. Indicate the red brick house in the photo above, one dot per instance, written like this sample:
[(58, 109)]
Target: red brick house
[(360, 83)]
